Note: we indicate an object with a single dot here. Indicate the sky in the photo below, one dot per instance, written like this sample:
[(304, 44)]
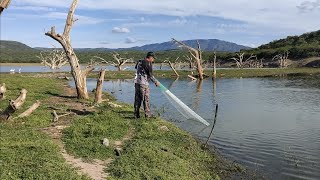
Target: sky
[(121, 24)]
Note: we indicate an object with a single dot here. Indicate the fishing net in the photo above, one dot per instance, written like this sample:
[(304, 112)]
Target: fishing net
[(181, 107)]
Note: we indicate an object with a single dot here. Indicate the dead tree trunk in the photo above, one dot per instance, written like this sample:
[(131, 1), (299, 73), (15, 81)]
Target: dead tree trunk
[(14, 105), (4, 4), (78, 74), (3, 90), (98, 95), (214, 72), (196, 53)]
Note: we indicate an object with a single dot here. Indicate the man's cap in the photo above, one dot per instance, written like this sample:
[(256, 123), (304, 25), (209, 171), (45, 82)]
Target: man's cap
[(151, 54)]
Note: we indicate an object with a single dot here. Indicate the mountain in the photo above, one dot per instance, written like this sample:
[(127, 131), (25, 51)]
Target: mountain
[(14, 46), (205, 44)]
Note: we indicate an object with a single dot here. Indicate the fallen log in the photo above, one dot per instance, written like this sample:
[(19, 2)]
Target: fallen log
[(14, 105), (30, 110)]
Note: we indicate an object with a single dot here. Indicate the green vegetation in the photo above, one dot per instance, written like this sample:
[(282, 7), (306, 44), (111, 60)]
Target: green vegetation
[(304, 46), (221, 73), (26, 152), (300, 47)]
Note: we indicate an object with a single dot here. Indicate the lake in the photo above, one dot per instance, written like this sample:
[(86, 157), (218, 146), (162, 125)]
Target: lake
[(40, 68), (271, 125)]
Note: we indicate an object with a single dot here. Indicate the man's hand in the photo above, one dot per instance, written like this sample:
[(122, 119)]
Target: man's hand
[(157, 83)]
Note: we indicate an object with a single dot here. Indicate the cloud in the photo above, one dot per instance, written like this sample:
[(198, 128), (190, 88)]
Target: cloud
[(130, 40), (32, 8), (120, 30), (308, 6), (258, 12)]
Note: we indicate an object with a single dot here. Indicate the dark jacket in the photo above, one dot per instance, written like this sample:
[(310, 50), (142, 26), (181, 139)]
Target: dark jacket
[(144, 72)]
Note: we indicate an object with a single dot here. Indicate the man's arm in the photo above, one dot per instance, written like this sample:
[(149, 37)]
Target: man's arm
[(148, 70)]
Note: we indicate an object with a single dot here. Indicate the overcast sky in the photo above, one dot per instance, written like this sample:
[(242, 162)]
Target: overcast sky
[(118, 23)]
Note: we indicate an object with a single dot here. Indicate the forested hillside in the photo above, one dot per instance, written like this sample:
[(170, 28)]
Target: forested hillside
[(299, 47)]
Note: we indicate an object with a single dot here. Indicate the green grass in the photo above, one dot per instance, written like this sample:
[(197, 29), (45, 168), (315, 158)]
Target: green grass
[(84, 137), (25, 152)]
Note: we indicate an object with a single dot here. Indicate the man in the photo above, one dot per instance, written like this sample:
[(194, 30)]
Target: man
[(142, 91)]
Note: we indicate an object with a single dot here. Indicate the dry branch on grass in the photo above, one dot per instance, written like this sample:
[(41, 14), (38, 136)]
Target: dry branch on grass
[(30, 110), (56, 116), (14, 105)]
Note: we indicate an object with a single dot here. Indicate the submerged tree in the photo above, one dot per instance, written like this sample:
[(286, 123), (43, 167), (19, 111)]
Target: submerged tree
[(196, 53), (79, 75)]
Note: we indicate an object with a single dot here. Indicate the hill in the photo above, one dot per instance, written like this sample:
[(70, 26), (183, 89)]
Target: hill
[(299, 47), (14, 46), (13, 51)]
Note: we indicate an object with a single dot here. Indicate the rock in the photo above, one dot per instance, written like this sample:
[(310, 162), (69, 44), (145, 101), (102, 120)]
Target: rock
[(164, 128), (118, 151), (106, 142)]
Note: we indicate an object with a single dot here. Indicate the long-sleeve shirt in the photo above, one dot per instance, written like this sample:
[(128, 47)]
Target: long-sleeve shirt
[(144, 72)]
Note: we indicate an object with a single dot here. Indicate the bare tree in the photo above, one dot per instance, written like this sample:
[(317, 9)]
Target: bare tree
[(214, 71), (282, 59), (172, 65), (120, 60), (196, 53), (240, 59), (79, 75), (54, 59), (4, 4), (190, 61)]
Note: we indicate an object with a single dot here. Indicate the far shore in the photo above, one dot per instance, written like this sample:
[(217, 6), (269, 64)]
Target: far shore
[(21, 64)]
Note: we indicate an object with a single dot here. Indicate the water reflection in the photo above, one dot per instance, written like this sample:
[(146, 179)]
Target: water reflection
[(269, 124)]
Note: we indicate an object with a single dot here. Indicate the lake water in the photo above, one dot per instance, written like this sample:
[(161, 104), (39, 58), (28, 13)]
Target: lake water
[(41, 68), (271, 125)]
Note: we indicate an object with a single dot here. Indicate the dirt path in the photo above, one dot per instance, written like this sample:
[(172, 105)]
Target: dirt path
[(94, 169)]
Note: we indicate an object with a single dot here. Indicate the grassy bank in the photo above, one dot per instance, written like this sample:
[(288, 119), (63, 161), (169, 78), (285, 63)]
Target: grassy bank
[(26, 152), (148, 150), (221, 73)]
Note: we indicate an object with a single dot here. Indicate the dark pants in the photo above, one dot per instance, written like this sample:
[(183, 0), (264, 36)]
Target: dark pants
[(142, 95)]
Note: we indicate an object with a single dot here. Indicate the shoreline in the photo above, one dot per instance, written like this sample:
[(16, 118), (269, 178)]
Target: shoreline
[(173, 150)]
